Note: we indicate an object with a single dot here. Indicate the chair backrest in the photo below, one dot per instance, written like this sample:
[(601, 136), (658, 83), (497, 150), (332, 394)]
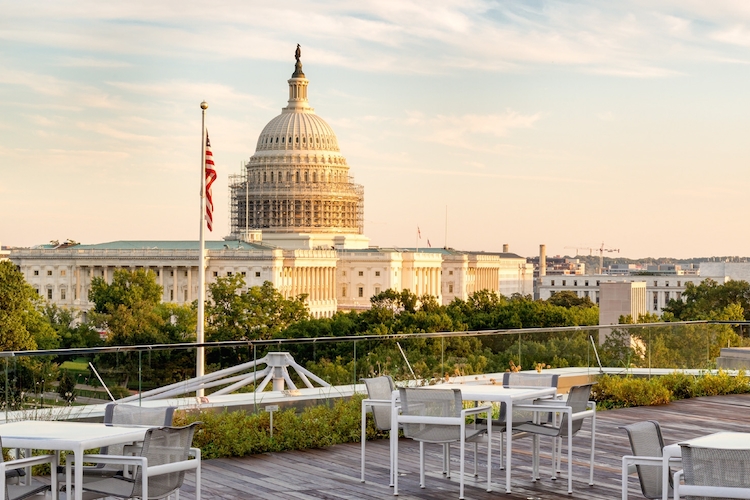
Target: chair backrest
[(715, 467), (164, 445), (578, 399), (7, 494), (420, 401), (646, 441), (21, 491), (518, 379), (515, 379), (380, 388), (131, 414)]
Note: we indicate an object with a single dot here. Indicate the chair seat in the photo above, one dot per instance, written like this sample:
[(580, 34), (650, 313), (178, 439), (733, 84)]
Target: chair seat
[(543, 430), (114, 486), (445, 434), (20, 491)]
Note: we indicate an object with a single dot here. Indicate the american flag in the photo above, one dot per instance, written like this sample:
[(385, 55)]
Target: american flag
[(419, 233), (210, 178)]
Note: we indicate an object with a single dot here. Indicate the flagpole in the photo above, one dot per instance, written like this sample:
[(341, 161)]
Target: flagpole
[(200, 362)]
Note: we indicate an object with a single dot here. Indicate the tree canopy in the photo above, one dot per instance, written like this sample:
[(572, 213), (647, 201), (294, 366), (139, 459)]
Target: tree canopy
[(22, 325), (710, 300), (260, 312)]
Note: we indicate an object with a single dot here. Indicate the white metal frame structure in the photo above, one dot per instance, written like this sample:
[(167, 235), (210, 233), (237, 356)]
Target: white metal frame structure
[(276, 372)]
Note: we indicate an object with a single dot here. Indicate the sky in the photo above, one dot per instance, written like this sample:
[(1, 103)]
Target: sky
[(573, 124)]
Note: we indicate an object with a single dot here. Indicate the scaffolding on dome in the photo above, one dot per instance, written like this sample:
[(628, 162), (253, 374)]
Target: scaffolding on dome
[(301, 201)]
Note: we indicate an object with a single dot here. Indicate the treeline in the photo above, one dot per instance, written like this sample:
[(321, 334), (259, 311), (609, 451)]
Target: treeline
[(262, 313), (128, 311)]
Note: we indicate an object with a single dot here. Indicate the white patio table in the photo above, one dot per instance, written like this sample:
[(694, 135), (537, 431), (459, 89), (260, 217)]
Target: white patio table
[(68, 436), (721, 440), (495, 394)]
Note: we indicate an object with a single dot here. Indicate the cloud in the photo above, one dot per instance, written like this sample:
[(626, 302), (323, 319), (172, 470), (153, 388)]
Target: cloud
[(467, 131), (88, 62), (403, 36)]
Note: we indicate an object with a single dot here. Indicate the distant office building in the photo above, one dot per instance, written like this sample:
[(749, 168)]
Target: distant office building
[(660, 289), (620, 298), (559, 266), (735, 271)]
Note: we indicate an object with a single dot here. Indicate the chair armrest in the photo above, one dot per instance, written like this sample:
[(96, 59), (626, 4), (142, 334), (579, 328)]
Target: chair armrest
[(157, 470), (21, 463), (476, 410), (643, 460), (375, 402)]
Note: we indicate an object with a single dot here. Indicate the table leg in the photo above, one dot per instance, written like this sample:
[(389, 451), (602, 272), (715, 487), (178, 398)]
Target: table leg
[(78, 472), (363, 439), (393, 437), (509, 442), (68, 477)]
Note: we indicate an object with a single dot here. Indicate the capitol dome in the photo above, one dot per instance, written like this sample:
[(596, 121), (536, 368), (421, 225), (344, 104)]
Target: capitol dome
[(297, 131), (297, 181)]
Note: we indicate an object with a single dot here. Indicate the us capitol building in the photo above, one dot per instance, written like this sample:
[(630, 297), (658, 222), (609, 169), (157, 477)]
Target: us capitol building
[(297, 220)]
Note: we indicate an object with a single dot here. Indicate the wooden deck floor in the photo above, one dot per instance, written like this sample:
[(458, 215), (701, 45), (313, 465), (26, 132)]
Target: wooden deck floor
[(333, 473)]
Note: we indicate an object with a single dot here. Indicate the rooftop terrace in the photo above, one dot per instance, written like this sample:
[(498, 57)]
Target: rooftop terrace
[(333, 473)]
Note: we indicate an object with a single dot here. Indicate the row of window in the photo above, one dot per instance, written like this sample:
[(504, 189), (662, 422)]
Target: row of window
[(586, 283), (325, 141), (362, 273), (575, 282), (230, 273), (667, 298), (273, 177), (63, 272), (63, 293), (360, 291)]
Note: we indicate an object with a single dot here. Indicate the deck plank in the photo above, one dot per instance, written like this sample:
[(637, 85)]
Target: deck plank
[(333, 473)]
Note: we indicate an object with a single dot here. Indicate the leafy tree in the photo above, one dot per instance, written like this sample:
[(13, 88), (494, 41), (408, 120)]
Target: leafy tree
[(258, 313), (71, 333), (22, 325), (568, 299), (130, 310), (67, 386), (710, 300), (128, 288)]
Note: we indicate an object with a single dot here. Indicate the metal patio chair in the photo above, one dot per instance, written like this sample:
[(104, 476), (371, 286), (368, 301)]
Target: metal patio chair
[(29, 487), (712, 473), (437, 416), (156, 470), (646, 443), (379, 391), (125, 414), (574, 410)]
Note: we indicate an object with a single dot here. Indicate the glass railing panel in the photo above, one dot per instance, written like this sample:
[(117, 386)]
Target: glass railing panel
[(33, 381)]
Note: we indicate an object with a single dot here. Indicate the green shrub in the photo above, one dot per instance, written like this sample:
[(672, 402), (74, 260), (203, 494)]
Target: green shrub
[(681, 385), (239, 433), (621, 392), (613, 391)]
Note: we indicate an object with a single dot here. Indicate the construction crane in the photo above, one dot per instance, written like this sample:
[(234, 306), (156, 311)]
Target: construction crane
[(582, 248), (601, 256), (601, 251)]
